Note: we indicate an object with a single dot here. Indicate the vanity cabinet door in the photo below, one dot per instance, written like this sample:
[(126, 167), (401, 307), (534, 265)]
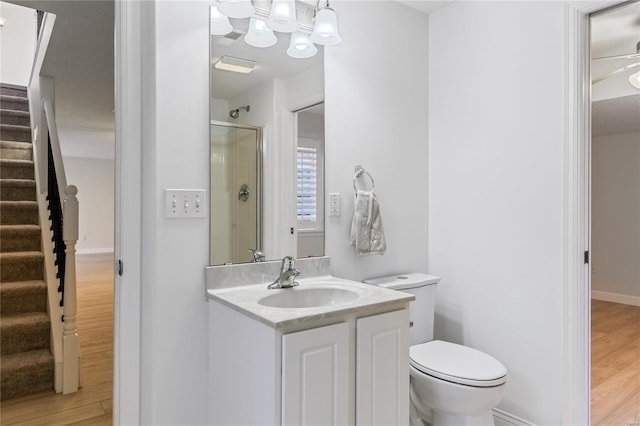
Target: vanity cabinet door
[(382, 369), (315, 376)]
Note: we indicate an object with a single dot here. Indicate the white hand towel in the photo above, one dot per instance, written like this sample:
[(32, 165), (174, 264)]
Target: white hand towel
[(367, 234)]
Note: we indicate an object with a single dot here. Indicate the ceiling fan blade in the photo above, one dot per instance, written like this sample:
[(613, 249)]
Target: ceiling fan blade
[(629, 56), (618, 71)]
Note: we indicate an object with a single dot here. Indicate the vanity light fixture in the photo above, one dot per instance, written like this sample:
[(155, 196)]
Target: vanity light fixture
[(236, 8), (301, 46), (325, 27), (282, 17), (229, 63), (634, 79), (259, 34), (220, 24)]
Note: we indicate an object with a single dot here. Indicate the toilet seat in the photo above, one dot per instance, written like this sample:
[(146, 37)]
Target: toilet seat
[(458, 364)]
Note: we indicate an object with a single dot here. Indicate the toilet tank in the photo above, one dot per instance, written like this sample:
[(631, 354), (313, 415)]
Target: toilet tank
[(421, 310)]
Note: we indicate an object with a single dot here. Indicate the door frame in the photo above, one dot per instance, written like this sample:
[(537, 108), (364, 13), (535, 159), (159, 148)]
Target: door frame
[(132, 21), (577, 208)]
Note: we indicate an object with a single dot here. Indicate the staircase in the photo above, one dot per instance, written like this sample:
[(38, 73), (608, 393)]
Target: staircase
[(26, 362)]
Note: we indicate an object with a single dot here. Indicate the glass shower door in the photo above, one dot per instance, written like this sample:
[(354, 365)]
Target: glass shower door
[(235, 192)]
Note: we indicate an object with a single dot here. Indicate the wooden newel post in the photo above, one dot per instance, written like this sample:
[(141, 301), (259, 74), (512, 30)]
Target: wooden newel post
[(70, 342)]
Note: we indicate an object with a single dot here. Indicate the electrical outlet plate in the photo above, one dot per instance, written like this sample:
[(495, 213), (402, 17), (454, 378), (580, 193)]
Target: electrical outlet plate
[(334, 204), (185, 203)]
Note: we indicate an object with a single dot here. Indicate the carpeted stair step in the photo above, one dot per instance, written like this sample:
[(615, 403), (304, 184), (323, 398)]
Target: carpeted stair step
[(24, 332), (18, 213), (10, 116), (19, 91), (21, 266), (16, 169), (12, 150), (26, 373), (12, 132), (20, 297), (17, 190), (16, 103), (19, 238)]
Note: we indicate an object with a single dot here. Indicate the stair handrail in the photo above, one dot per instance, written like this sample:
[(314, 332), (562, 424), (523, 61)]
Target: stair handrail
[(55, 142)]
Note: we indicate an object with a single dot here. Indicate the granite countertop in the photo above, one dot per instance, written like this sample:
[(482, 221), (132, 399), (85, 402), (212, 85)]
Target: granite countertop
[(371, 299)]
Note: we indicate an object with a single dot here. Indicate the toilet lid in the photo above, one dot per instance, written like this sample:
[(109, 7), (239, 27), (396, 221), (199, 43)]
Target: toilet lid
[(457, 364)]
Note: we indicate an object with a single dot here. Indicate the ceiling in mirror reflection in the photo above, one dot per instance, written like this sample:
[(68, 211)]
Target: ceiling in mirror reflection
[(272, 62)]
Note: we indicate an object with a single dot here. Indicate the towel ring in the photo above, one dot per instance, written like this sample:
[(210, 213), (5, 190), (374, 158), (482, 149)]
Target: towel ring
[(359, 172)]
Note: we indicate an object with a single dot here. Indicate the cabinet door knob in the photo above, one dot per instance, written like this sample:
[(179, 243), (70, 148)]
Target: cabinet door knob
[(410, 324)]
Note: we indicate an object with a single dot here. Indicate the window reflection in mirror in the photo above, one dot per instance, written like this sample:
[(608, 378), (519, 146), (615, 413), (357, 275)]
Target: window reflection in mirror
[(310, 182)]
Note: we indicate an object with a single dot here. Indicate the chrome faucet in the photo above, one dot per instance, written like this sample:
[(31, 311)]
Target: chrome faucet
[(258, 256), (288, 274)]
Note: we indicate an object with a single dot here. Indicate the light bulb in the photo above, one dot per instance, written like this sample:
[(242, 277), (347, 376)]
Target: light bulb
[(259, 34), (301, 46), (220, 24), (282, 17), (325, 28)]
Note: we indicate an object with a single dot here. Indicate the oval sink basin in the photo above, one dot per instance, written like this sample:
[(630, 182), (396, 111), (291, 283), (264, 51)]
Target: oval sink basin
[(308, 297)]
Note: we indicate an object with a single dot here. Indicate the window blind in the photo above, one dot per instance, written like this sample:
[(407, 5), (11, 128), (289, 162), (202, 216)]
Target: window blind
[(307, 171)]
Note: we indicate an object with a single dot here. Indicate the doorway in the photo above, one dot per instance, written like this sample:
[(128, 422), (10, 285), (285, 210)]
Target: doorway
[(310, 182), (615, 215)]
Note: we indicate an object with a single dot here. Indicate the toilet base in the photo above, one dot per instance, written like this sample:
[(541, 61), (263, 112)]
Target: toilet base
[(444, 419), (430, 418)]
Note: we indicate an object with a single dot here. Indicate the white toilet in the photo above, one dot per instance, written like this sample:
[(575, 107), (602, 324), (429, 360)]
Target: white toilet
[(450, 384)]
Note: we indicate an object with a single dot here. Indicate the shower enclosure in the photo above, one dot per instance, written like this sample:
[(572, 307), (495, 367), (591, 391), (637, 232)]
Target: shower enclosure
[(236, 187)]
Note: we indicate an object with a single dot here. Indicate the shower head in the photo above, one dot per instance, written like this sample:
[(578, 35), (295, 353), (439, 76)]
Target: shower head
[(235, 113)]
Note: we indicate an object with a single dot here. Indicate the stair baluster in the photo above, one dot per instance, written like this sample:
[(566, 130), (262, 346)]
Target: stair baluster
[(70, 342)]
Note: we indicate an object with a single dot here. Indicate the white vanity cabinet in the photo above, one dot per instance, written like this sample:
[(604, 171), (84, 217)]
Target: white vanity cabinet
[(343, 370), (315, 376), (382, 369)]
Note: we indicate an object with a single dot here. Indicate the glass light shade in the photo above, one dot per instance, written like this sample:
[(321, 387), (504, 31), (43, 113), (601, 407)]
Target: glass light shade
[(236, 8), (259, 34), (283, 16), (634, 79), (301, 46), (220, 24), (325, 28)]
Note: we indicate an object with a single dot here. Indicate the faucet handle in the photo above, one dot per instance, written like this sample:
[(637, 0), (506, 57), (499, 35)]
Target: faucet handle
[(289, 262)]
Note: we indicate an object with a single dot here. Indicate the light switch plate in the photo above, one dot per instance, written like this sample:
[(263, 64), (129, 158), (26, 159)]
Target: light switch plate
[(185, 203)]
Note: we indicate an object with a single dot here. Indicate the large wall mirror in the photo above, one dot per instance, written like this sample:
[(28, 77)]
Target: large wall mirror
[(267, 143)]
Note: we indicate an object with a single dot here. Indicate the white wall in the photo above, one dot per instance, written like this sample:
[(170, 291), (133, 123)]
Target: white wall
[(175, 152), (615, 221), (18, 40), (86, 143), (376, 117), (496, 134), (95, 181)]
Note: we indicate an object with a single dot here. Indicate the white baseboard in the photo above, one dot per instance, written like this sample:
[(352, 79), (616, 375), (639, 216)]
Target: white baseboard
[(615, 298), (502, 418), (80, 252)]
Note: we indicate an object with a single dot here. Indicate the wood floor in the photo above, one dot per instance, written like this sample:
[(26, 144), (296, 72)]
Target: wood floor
[(92, 404), (615, 364)]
